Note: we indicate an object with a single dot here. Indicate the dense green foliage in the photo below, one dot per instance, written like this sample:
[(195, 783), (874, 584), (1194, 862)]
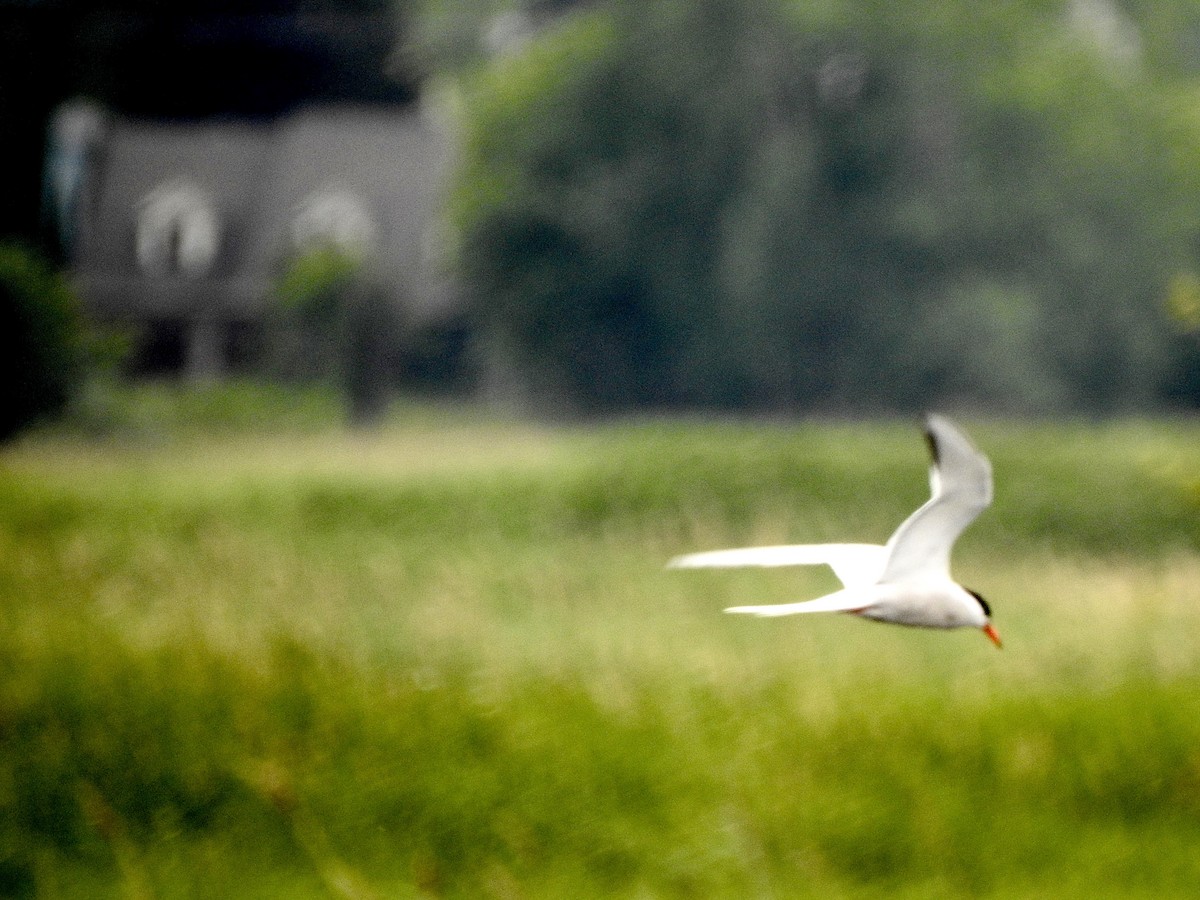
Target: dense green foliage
[(41, 340), (783, 205), (443, 659)]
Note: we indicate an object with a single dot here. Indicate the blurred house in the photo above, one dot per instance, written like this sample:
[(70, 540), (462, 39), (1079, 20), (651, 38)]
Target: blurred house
[(178, 231)]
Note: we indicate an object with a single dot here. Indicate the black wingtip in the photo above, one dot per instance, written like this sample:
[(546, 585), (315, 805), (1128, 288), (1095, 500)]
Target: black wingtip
[(931, 441)]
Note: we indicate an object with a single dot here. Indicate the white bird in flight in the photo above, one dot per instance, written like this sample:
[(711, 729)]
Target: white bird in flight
[(907, 581)]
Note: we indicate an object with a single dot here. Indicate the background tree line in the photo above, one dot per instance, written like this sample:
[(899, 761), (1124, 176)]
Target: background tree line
[(768, 205), (785, 206)]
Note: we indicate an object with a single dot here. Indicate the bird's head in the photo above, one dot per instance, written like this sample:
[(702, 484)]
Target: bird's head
[(987, 626)]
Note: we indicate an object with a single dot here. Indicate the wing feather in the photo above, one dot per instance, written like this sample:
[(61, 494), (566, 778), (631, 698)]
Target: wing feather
[(854, 564), (961, 483), (839, 601)]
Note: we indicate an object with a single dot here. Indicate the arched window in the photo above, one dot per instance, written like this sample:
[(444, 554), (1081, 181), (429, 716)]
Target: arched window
[(177, 231), (333, 218)]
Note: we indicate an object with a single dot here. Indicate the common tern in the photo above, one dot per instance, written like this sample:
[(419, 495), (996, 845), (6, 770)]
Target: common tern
[(907, 581)]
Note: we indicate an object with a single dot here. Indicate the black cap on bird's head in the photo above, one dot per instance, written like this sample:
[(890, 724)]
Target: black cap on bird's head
[(987, 610), (993, 636)]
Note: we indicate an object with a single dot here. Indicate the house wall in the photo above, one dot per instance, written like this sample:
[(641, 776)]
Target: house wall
[(187, 226)]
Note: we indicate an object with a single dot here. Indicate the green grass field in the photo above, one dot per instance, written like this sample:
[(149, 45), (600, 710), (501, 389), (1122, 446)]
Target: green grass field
[(443, 659)]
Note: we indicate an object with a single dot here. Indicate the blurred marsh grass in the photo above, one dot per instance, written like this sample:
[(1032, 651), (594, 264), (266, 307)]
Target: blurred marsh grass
[(442, 658)]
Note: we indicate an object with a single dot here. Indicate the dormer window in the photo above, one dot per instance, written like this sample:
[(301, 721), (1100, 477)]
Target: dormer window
[(333, 219), (178, 232)]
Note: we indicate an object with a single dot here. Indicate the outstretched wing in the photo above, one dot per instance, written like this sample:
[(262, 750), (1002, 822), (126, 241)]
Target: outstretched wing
[(854, 564), (961, 483), (849, 600)]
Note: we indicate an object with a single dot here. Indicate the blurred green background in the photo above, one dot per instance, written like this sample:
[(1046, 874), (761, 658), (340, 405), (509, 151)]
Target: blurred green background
[(442, 658), (775, 206), (302, 637)]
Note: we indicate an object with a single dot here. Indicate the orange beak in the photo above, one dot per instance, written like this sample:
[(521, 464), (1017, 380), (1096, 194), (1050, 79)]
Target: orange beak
[(992, 635)]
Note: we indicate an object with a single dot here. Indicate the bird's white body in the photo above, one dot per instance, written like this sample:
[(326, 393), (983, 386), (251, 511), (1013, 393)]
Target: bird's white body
[(907, 581)]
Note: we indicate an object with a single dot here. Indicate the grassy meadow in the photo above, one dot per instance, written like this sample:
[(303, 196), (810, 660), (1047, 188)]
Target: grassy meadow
[(247, 654)]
